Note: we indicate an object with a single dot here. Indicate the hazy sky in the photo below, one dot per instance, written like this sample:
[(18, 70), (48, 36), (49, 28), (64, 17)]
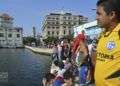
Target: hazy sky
[(29, 13)]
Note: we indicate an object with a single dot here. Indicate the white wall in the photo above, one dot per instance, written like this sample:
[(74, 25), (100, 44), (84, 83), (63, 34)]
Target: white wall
[(90, 29)]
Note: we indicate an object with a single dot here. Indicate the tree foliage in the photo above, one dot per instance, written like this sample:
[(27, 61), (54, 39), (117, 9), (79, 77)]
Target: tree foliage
[(29, 40), (50, 39)]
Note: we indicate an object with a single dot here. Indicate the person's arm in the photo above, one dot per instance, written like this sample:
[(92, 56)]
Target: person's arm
[(93, 57)]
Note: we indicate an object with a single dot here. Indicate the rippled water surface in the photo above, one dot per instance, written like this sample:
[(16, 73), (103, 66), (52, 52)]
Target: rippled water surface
[(24, 67)]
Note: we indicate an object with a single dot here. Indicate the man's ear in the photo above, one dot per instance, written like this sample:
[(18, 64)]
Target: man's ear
[(112, 15)]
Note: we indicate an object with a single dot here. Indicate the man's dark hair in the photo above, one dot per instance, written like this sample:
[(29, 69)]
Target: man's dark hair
[(68, 74), (49, 76), (110, 5)]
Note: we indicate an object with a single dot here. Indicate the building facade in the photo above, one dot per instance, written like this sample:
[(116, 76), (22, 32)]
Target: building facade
[(60, 24), (91, 30), (9, 36)]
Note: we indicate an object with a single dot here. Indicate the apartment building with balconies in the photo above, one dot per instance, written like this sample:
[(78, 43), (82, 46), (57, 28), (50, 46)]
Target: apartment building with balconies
[(61, 24)]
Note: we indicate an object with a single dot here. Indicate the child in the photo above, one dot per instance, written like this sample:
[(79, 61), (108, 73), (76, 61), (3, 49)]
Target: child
[(68, 78)]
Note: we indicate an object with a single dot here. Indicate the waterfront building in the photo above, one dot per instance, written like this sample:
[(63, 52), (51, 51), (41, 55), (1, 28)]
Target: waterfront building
[(61, 24), (10, 36)]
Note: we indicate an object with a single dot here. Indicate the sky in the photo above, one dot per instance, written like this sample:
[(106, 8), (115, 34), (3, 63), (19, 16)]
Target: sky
[(29, 13)]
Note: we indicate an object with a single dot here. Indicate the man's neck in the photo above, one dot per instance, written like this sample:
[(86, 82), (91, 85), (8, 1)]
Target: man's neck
[(111, 26)]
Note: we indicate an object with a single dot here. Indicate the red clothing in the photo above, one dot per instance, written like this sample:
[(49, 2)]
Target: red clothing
[(76, 41)]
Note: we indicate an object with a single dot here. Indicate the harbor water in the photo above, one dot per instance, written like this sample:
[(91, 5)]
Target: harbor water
[(22, 67)]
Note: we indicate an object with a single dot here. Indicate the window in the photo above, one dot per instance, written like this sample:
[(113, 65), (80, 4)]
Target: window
[(75, 18), (53, 18), (69, 27), (48, 27), (64, 18), (48, 18), (1, 34), (18, 30), (53, 22), (69, 31), (74, 23), (64, 22), (2, 26), (48, 22), (48, 32), (69, 22), (18, 35), (52, 32), (53, 27), (10, 40), (10, 30), (64, 26), (57, 32), (57, 18), (64, 32), (57, 22), (80, 22), (57, 27), (10, 35), (1, 29), (69, 17), (3, 41)]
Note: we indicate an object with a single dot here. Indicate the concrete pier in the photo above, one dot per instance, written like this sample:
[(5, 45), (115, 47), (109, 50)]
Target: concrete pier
[(44, 51)]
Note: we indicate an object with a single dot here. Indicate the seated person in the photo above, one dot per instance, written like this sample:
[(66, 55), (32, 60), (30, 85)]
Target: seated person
[(48, 79)]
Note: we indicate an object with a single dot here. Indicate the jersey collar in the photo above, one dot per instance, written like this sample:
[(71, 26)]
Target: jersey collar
[(117, 28)]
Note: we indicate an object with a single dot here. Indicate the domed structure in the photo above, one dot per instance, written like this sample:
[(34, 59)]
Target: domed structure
[(5, 16)]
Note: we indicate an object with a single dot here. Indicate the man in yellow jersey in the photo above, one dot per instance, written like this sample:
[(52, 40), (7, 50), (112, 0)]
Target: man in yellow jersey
[(107, 70)]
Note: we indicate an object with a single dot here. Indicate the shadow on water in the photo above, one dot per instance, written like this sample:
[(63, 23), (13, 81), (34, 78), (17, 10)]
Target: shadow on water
[(24, 67)]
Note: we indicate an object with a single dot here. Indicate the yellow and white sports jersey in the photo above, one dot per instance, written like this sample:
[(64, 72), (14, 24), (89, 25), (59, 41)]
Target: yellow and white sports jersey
[(107, 70)]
